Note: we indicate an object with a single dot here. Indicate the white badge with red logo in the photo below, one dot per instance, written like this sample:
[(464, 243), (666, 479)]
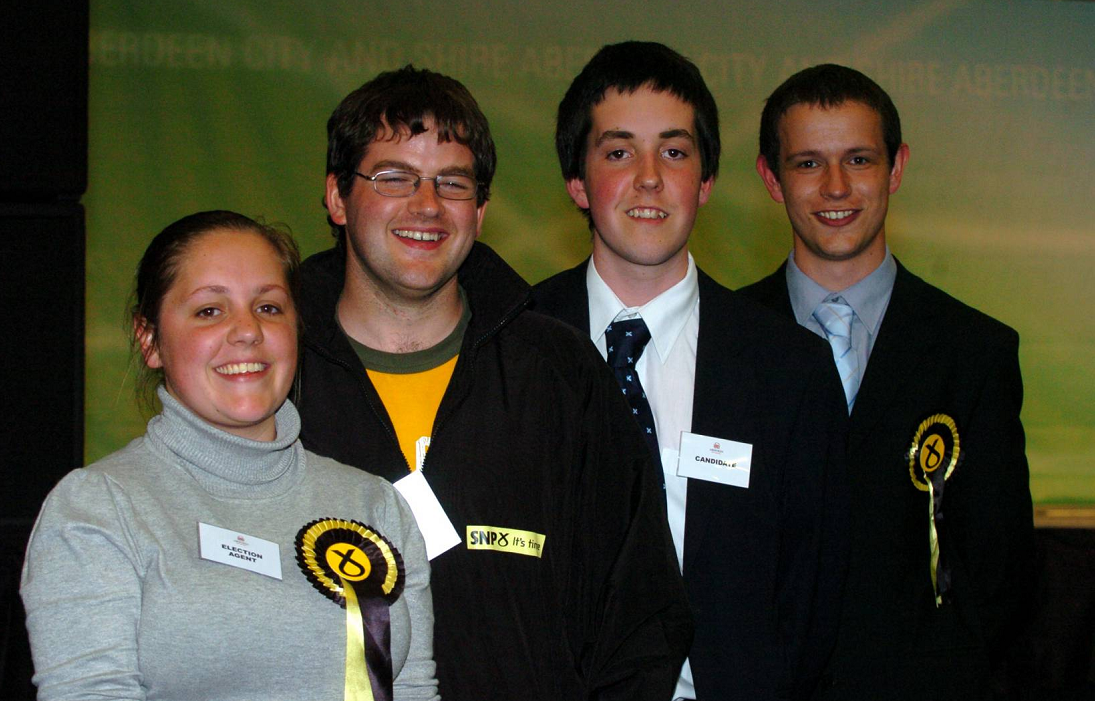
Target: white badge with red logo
[(239, 550), (715, 460)]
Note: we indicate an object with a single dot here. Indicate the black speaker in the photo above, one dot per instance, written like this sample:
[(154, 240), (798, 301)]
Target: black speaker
[(16, 668), (42, 434), (43, 172), (42, 348), (43, 108)]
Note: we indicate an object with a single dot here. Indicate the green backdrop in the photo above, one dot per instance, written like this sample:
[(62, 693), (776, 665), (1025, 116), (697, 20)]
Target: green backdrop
[(209, 104)]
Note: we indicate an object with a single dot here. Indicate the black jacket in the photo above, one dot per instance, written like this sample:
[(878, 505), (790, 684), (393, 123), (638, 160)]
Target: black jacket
[(934, 355), (763, 566), (532, 434)]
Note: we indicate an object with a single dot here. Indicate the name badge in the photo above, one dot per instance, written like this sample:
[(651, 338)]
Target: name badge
[(715, 460), (239, 550), (436, 528)]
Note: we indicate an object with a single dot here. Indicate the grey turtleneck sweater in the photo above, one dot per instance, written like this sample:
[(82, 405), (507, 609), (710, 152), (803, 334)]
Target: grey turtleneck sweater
[(121, 606)]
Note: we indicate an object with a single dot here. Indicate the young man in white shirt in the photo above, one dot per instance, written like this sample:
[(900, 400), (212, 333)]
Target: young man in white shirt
[(740, 407)]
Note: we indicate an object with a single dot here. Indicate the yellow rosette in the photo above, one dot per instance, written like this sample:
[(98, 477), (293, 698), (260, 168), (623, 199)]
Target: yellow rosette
[(932, 457), (360, 570)]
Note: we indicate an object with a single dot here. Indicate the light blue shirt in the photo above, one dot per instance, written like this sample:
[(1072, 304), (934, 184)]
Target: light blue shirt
[(868, 298)]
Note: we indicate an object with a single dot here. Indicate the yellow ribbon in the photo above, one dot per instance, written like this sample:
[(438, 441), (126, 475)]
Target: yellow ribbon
[(358, 687), (933, 540)]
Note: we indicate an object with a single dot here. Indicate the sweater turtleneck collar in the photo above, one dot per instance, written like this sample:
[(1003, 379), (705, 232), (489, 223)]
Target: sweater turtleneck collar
[(226, 465)]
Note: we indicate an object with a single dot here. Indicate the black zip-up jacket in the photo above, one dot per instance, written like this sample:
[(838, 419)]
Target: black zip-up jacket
[(532, 434)]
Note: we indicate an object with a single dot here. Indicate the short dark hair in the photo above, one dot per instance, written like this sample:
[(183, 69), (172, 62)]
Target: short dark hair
[(159, 267), (405, 99), (627, 67), (826, 85)]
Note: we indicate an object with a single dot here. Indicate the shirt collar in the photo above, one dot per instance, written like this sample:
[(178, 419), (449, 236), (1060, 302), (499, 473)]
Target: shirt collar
[(665, 315), (868, 298)]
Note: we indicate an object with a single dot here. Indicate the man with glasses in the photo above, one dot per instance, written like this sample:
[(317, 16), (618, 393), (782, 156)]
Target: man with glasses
[(421, 362)]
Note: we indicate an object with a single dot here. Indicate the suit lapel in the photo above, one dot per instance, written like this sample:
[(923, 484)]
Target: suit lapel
[(901, 346), (721, 399), (724, 387)]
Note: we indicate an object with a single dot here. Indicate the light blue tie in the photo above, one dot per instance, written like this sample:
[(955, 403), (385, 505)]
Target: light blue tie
[(836, 319)]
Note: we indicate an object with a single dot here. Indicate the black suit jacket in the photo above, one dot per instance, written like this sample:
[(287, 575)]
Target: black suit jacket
[(933, 355), (763, 566)]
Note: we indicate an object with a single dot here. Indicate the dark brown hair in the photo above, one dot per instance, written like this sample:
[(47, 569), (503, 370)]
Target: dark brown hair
[(827, 85), (159, 267), (626, 68), (406, 99)]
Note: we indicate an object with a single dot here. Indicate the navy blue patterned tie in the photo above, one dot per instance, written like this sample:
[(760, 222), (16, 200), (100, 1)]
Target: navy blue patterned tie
[(626, 341)]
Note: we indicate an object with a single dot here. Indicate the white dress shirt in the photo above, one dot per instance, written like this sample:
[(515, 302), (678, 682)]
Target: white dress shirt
[(667, 372)]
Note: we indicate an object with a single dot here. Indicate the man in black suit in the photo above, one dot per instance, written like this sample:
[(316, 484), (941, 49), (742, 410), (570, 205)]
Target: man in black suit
[(941, 511), (741, 408)]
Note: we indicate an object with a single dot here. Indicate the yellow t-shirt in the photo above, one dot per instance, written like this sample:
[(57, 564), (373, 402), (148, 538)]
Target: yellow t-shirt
[(411, 386), (412, 400)]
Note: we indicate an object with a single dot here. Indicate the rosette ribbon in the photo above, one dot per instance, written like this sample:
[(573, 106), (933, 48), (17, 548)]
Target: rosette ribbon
[(360, 570)]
